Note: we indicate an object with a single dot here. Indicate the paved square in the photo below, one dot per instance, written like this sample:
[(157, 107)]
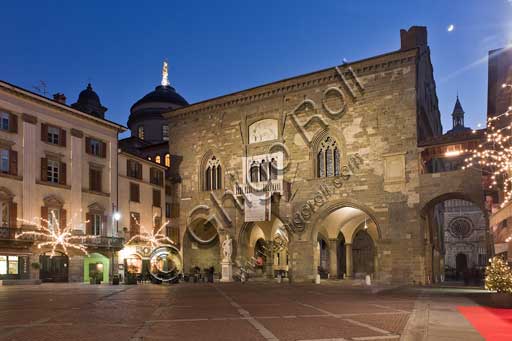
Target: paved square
[(253, 311)]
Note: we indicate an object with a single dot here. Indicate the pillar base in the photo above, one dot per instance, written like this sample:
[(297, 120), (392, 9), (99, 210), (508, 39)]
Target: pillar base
[(227, 271)]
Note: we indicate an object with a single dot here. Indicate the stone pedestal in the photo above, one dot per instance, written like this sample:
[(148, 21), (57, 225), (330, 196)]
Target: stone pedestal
[(227, 271)]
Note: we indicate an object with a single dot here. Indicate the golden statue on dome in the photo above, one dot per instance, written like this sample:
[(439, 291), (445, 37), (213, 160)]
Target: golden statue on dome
[(165, 74)]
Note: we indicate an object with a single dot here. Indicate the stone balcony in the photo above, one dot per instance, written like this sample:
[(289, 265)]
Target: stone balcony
[(274, 186)]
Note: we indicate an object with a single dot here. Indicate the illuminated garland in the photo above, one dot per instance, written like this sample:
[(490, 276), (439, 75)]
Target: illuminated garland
[(153, 238), (54, 236), (494, 155)]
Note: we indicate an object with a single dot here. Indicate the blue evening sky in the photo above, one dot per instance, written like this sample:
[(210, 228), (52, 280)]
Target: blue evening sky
[(218, 47)]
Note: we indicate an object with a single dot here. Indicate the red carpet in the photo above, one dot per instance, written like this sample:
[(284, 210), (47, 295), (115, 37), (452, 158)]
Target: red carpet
[(493, 324)]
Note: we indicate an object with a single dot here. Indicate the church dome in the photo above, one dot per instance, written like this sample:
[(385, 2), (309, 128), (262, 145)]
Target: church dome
[(163, 99)]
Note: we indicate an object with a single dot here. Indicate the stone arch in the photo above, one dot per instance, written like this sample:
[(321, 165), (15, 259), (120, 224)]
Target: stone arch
[(432, 229), (343, 220), (333, 206)]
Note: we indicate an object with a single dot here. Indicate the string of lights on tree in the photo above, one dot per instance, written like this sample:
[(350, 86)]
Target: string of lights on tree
[(494, 155), (154, 238), (50, 234)]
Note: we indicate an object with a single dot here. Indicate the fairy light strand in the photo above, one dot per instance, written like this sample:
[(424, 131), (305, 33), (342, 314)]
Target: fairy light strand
[(494, 155), (51, 234), (153, 238)]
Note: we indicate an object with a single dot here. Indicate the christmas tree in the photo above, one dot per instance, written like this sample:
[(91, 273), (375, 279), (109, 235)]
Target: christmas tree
[(498, 276)]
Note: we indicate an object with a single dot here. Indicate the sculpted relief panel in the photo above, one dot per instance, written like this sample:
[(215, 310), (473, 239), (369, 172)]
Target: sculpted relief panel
[(263, 130)]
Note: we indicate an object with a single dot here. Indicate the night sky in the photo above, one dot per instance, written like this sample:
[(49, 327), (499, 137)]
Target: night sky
[(218, 47)]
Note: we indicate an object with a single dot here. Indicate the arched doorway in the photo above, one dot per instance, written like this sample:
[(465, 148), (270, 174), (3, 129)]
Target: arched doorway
[(461, 264), (97, 268), (456, 230), (363, 252), (263, 248), (350, 237), (53, 269)]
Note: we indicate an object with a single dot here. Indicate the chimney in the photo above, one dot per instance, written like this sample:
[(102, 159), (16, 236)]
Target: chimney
[(59, 97), (414, 37)]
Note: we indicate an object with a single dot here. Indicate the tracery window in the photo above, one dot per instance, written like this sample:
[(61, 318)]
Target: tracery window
[(213, 175), (273, 169), (328, 158), (254, 172), (263, 170)]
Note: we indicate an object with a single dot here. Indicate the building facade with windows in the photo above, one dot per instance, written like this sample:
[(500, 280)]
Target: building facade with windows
[(317, 174), (59, 171)]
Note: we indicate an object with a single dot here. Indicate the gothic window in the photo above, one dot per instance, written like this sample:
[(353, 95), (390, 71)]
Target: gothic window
[(328, 158), (336, 161), (208, 179), (273, 169), (213, 175), (263, 170), (167, 160), (254, 171), (329, 163), (321, 164)]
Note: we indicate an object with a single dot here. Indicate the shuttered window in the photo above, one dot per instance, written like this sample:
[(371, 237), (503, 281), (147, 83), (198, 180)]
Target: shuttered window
[(157, 198), (134, 169), (134, 192), (156, 176), (95, 147), (95, 179)]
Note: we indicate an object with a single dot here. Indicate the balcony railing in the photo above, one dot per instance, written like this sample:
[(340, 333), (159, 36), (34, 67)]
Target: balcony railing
[(104, 242), (274, 186), (8, 233)]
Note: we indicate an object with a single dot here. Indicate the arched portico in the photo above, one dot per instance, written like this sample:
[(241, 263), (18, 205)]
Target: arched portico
[(263, 247), (343, 230), (441, 255)]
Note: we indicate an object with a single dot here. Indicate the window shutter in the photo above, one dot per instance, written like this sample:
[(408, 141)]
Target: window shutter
[(88, 145), (104, 221), (62, 173), (103, 151), (128, 163), (88, 224), (91, 179), (44, 216), (139, 171), (44, 169), (13, 215), (99, 187), (44, 132), (13, 123), (63, 221), (63, 138), (13, 162)]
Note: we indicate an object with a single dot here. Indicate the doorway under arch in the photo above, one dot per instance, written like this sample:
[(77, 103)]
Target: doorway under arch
[(263, 248), (349, 235)]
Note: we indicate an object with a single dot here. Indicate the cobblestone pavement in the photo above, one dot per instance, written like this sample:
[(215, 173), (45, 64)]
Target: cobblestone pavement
[(234, 311)]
